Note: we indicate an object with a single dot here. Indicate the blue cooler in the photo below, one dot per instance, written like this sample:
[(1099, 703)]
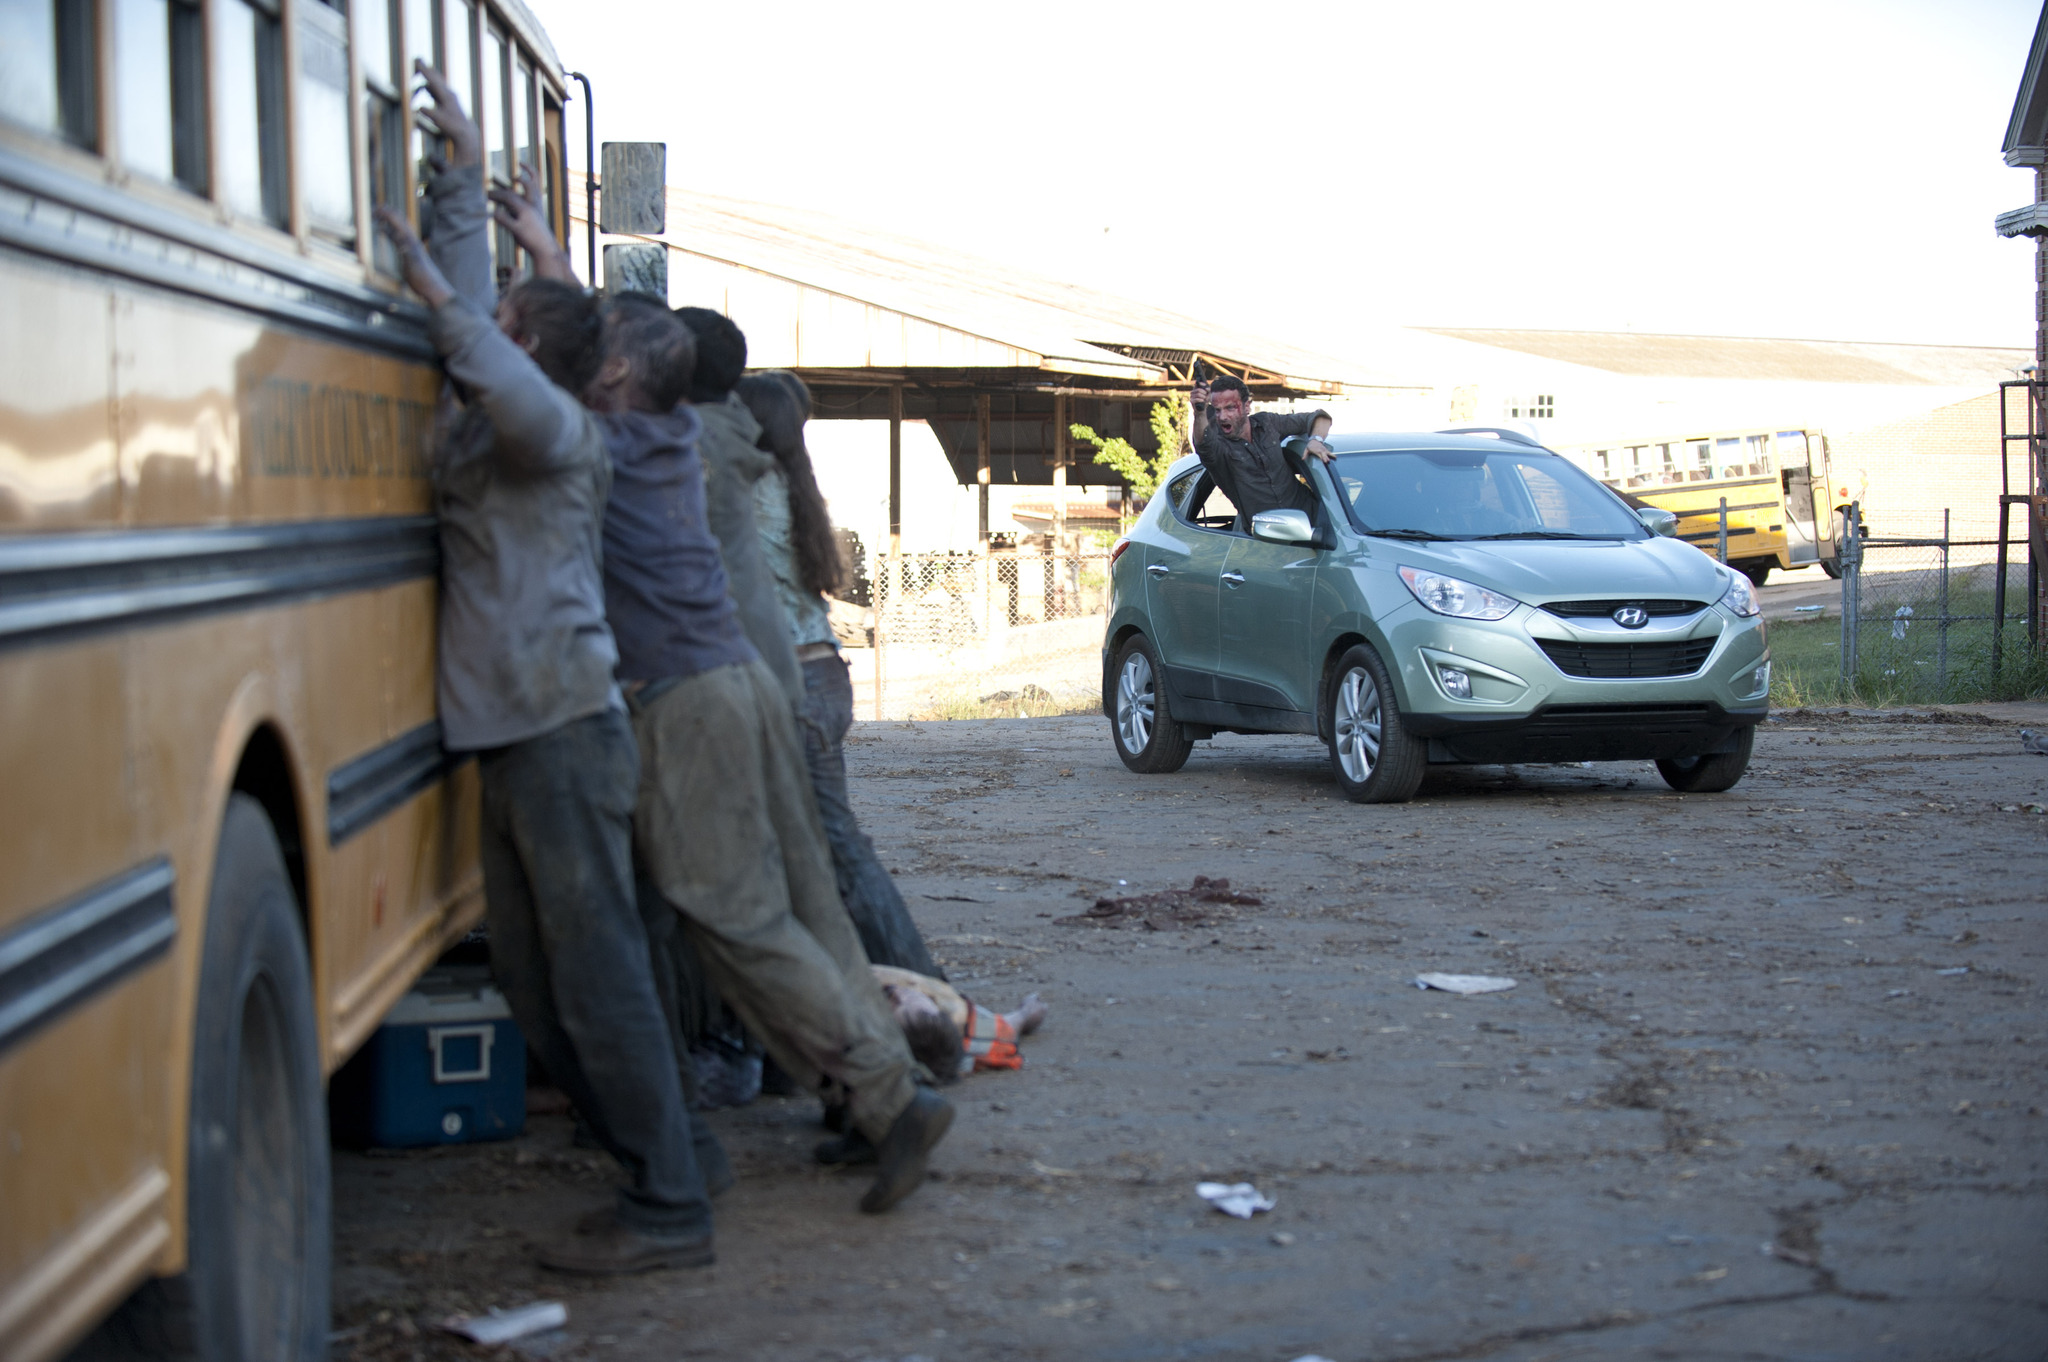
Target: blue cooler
[(446, 1067)]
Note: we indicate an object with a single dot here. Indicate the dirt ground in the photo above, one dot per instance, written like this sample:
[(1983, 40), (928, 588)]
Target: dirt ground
[(1770, 1085)]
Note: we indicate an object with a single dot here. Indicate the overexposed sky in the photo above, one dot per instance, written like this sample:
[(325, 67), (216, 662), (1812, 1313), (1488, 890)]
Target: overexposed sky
[(1808, 168)]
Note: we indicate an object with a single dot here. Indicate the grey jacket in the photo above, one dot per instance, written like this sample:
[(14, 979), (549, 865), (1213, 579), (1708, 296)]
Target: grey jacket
[(520, 479), (732, 465)]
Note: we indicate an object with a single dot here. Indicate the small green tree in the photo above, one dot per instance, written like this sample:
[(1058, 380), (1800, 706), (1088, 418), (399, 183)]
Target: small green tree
[(1169, 421)]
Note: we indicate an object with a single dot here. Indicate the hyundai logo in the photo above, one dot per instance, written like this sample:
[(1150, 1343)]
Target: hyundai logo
[(1631, 617)]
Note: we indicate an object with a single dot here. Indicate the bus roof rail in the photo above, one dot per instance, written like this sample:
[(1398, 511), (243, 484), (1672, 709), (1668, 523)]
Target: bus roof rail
[(1498, 432)]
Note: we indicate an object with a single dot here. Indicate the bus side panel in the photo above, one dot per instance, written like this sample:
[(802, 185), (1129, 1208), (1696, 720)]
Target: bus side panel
[(84, 1088), (56, 436)]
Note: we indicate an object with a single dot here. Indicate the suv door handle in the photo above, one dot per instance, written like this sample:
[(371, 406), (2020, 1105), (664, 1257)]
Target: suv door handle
[(1234, 578), (1158, 569)]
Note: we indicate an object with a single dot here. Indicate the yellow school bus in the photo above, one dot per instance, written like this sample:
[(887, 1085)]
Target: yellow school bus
[(230, 836), (1776, 483)]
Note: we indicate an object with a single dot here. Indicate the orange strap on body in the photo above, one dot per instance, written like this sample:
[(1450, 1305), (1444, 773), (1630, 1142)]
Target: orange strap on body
[(990, 1040)]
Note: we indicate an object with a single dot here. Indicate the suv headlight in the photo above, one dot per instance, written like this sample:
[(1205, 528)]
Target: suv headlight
[(1740, 599), (1462, 600)]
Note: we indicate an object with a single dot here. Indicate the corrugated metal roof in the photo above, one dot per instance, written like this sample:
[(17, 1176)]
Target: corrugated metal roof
[(816, 291), (1759, 358)]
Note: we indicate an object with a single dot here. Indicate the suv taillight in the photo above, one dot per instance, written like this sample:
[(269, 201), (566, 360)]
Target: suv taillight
[(1116, 550)]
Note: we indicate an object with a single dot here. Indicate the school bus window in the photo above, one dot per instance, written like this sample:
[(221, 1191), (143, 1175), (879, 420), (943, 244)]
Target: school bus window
[(325, 160), (1759, 454), (1702, 469), (160, 90), (248, 56), (551, 140), (383, 115), (48, 61), (1792, 450), (522, 114), (458, 49)]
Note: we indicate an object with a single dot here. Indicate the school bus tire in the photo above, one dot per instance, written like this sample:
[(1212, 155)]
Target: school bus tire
[(1758, 570), (1710, 774), (259, 1202)]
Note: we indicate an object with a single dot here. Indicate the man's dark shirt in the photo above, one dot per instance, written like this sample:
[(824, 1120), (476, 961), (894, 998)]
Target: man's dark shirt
[(664, 583), (1254, 473)]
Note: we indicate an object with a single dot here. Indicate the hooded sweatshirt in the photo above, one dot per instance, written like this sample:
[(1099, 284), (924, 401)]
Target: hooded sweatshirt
[(732, 465)]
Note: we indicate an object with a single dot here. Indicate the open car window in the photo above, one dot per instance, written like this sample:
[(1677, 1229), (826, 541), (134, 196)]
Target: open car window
[(1209, 508)]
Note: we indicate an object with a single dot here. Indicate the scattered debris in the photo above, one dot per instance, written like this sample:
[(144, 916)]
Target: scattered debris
[(1790, 1255), (1282, 1238), (1808, 609), (1958, 969), (1168, 910), (1234, 1198), (1464, 983), (502, 1326), (2035, 741)]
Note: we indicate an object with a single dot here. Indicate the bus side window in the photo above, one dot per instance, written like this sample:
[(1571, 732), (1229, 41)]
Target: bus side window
[(1702, 468), (551, 143), (48, 63), (383, 114), (326, 162), (248, 58), (1759, 454), (1728, 457), (160, 90)]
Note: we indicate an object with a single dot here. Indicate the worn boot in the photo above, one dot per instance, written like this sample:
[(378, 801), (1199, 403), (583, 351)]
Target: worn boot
[(609, 1247), (903, 1151), (847, 1151)]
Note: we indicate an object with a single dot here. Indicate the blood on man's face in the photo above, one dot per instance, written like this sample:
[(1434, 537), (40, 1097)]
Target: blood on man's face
[(1228, 409)]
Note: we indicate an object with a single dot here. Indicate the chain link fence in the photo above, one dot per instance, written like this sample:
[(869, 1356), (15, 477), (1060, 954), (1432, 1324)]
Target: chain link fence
[(1921, 618), (973, 636)]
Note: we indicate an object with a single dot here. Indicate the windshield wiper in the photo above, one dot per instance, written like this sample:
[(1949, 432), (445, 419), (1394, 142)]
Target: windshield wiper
[(1407, 534), (1537, 534)]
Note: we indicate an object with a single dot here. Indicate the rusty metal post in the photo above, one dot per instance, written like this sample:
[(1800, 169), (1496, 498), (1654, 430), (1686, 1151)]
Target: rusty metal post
[(1060, 417), (981, 476)]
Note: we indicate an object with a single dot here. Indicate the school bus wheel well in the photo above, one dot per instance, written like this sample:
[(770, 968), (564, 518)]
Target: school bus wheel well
[(265, 776)]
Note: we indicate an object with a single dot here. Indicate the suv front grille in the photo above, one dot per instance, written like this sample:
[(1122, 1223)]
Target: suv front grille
[(1628, 661), (1604, 609)]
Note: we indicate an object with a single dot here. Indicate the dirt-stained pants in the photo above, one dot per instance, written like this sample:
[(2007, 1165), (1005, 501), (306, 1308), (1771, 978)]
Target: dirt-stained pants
[(727, 829)]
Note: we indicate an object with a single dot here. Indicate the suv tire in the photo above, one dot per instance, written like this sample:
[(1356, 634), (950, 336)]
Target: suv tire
[(1374, 757), (1710, 774), (1141, 723)]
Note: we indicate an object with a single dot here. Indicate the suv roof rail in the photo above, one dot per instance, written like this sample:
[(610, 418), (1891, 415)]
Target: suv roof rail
[(1498, 432)]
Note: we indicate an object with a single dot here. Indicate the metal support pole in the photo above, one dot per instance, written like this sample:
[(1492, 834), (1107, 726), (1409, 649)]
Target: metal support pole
[(1941, 640), (1998, 584), (1721, 544), (1059, 499), (1851, 555), (895, 471), (981, 475), (589, 171)]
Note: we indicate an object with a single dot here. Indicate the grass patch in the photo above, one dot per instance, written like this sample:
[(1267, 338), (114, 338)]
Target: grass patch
[(1026, 702), (1905, 659)]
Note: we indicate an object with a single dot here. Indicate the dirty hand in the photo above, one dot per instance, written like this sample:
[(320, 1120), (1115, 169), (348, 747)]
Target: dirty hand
[(1319, 449), (419, 268), (465, 144), (1198, 396), (519, 212)]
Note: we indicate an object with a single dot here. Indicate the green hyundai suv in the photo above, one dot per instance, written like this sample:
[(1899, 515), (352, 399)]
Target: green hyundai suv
[(1459, 597)]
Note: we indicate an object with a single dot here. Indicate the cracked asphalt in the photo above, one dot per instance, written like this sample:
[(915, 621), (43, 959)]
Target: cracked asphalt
[(1770, 1084)]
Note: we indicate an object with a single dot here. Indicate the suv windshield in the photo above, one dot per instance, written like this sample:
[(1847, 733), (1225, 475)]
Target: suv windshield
[(1478, 494)]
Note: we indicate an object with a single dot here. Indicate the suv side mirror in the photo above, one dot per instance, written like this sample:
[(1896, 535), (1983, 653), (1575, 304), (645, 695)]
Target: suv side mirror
[(1658, 521), (1284, 527)]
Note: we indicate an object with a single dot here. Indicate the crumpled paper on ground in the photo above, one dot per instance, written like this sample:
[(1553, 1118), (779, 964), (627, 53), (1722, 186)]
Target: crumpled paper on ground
[(502, 1326), (1239, 1198), (1464, 983)]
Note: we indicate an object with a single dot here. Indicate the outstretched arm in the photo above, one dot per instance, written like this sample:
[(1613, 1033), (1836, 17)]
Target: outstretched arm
[(519, 212), (459, 244)]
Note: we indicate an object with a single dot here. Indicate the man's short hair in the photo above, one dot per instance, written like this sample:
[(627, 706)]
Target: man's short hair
[(721, 353), (1230, 383), (639, 328), (562, 322)]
